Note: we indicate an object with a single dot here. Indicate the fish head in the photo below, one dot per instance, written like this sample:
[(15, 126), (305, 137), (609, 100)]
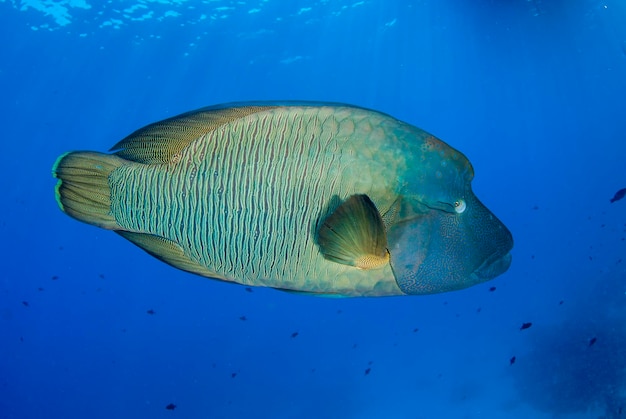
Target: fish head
[(444, 238)]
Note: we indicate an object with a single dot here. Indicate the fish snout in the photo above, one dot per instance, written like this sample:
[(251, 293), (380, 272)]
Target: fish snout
[(490, 240)]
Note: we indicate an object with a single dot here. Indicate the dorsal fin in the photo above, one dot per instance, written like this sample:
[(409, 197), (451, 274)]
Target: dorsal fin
[(354, 234), (161, 141)]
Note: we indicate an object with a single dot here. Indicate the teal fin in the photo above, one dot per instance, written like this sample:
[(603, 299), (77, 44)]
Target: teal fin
[(162, 142), (167, 251), (391, 215), (354, 235)]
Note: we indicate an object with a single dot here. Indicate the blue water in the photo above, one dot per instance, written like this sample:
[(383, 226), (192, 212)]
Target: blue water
[(533, 92)]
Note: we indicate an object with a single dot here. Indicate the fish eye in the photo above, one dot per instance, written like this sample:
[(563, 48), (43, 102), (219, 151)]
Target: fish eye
[(460, 206)]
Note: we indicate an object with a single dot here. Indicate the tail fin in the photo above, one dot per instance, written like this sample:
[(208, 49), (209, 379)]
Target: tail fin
[(83, 190)]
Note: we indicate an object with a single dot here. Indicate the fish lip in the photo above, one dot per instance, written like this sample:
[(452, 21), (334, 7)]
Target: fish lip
[(496, 264)]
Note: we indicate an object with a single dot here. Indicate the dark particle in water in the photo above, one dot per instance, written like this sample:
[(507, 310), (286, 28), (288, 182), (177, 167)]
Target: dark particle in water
[(592, 341), (233, 375), (512, 360), (25, 303), (525, 326), (170, 406), (492, 289), (294, 334), (243, 318), (151, 312), (367, 371)]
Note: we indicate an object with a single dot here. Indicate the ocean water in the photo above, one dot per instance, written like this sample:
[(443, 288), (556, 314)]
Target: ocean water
[(533, 92)]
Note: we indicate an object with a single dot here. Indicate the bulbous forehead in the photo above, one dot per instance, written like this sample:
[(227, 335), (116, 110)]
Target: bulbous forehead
[(439, 160)]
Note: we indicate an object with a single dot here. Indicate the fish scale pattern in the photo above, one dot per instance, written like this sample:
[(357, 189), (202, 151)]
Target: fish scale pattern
[(245, 199)]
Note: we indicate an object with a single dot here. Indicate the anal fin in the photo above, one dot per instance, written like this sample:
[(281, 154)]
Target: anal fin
[(354, 235), (167, 251)]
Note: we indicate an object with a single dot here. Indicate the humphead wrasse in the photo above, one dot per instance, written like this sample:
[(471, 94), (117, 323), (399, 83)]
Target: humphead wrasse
[(324, 199)]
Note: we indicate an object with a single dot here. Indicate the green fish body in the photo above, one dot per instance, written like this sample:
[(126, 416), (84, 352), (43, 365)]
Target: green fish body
[(316, 198)]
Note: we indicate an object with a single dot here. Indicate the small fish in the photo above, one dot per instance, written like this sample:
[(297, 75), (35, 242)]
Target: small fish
[(233, 375), (170, 406), (367, 371), (150, 311), (415, 330), (25, 303), (492, 289), (619, 195), (512, 360), (592, 341), (243, 318), (294, 334), (248, 289), (525, 326)]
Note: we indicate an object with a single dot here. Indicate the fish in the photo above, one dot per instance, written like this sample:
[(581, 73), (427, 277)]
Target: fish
[(618, 195), (170, 406), (313, 198), (512, 360), (525, 326)]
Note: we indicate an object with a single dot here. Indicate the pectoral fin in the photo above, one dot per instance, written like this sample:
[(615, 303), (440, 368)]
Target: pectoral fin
[(354, 235)]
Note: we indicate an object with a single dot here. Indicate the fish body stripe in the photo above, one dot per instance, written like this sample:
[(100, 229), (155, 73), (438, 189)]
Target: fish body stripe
[(244, 199)]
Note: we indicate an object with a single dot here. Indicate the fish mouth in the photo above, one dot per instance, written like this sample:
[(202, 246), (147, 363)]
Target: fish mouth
[(494, 265)]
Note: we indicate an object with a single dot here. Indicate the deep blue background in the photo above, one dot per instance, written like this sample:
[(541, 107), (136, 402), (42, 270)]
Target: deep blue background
[(533, 92)]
